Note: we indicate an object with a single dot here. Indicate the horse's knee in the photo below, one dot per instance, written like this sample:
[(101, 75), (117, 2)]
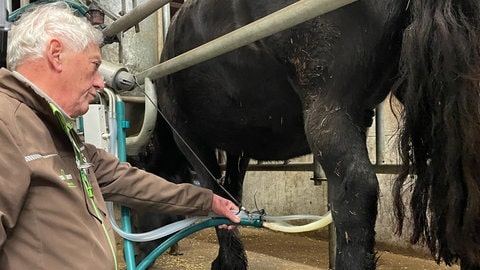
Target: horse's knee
[(356, 186)]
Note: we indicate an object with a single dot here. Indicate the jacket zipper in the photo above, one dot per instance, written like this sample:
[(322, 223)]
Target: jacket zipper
[(89, 190), (82, 166)]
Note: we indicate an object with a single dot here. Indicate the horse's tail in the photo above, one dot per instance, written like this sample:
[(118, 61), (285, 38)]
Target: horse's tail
[(440, 139)]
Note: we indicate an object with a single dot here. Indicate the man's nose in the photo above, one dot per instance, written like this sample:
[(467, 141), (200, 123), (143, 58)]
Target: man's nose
[(99, 82)]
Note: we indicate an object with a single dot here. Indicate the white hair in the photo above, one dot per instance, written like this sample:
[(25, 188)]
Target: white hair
[(30, 34)]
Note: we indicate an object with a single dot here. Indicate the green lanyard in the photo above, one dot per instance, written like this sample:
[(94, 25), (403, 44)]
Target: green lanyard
[(80, 159), (82, 166)]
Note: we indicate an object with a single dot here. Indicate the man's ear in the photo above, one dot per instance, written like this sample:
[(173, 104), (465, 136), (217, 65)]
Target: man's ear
[(54, 54)]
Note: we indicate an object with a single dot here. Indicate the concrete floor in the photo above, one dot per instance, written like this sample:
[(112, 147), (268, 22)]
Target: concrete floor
[(268, 250)]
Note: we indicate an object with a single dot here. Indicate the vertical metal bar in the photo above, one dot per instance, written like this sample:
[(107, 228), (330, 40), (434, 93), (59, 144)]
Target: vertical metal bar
[(332, 234), (318, 177), (332, 245), (4, 24), (380, 133), (318, 172), (137, 26), (4, 27), (165, 20)]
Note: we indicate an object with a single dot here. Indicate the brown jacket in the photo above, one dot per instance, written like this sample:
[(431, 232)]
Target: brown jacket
[(47, 219)]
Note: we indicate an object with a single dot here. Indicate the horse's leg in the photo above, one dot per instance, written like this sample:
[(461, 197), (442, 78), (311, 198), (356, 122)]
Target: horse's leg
[(340, 146), (465, 264), (231, 254)]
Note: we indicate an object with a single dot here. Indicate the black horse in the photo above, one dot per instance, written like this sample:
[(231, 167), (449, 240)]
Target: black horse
[(313, 88)]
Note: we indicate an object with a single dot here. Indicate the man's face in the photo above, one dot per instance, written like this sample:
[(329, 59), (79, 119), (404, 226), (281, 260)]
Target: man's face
[(82, 80)]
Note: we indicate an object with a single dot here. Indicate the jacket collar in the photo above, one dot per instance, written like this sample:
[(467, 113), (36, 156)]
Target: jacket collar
[(18, 87)]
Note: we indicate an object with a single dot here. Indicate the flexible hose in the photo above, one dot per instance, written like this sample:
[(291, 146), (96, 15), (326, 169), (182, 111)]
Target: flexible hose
[(151, 235), (278, 223), (210, 222), (275, 223)]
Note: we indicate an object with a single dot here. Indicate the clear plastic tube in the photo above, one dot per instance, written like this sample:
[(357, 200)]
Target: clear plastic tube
[(151, 235), (278, 223)]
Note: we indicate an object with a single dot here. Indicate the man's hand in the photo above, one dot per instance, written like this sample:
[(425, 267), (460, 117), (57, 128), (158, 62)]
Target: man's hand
[(224, 207)]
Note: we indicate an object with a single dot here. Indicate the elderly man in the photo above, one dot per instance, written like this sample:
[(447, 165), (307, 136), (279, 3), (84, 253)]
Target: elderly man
[(53, 186)]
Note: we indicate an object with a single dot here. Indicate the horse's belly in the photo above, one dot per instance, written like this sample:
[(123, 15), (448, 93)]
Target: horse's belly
[(272, 138)]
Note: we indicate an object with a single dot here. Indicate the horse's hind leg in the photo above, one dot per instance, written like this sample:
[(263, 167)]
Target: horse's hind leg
[(465, 264), (340, 145)]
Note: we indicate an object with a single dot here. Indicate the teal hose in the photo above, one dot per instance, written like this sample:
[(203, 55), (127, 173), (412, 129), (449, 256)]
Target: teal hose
[(257, 223), (73, 4), (122, 124)]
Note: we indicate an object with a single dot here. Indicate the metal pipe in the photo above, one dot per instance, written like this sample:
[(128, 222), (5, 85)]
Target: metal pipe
[(306, 166), (380, 134), (4, 24), (134, 16), (165, 20), (135, 143), (105, 10), (133, 99), (318, 172), (137, 26), (285, 18), (332, 245)]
